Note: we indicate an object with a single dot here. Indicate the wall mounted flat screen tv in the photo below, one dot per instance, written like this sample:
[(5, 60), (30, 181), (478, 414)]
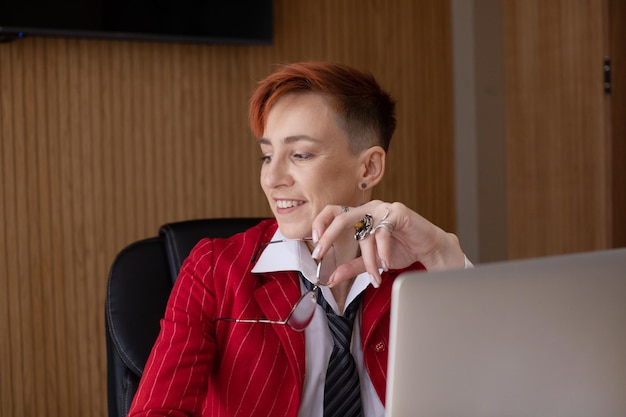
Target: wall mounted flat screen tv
[(193, 21)]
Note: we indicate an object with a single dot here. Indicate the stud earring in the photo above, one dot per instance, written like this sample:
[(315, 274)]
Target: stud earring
[(363, 187)]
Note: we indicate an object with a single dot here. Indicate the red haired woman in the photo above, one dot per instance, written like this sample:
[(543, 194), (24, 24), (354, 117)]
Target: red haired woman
[(256, 323)]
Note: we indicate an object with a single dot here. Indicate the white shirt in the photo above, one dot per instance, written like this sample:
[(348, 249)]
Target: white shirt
[(295, 256)]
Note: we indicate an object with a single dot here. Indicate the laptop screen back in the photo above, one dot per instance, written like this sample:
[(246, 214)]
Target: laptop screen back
[(540, 337)]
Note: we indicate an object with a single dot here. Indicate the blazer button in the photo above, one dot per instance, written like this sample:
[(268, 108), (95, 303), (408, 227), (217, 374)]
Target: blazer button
[(379, 347)]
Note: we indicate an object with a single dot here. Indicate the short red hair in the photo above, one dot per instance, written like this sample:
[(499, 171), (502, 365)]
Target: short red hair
[(367, 111)]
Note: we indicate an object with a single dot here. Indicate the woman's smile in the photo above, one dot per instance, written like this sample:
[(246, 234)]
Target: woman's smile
[(286, 204)]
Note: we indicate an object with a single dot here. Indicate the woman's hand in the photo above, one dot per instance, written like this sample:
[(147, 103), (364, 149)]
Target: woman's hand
[(403, 238)]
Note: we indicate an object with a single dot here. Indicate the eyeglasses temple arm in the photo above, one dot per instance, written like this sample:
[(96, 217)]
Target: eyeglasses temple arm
[(263, 321)]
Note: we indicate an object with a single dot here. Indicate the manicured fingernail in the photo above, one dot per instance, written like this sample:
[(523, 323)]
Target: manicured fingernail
[(374, 281), (330, 282), (316, 252), (316, 236), (384, 265)]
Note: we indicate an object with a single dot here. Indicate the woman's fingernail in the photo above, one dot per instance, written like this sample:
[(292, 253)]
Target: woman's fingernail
[(384, 265), (316, 252), (330, 282), (374, 281), (316, 236)]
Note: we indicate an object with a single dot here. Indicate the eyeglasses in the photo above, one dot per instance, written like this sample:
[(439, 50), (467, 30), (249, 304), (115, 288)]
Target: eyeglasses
[(303, 311)]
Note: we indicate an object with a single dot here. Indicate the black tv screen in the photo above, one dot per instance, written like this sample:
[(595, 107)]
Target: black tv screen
[(195, 21)]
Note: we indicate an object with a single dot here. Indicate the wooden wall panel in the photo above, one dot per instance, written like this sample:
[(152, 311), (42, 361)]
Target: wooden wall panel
[(556, 127), (617, 54), (101, 142)]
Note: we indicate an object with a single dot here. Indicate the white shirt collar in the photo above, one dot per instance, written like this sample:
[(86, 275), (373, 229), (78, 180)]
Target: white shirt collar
[(294, 255)]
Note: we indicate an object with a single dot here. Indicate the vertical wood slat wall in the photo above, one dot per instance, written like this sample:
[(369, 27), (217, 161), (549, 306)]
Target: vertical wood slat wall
[(558, 142), (617, 54), (104, 141)]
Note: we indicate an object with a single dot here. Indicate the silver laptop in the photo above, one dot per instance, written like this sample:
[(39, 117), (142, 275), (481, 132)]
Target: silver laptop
[(539, 337)]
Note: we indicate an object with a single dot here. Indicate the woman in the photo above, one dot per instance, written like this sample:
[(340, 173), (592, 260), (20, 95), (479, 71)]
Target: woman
[(230, 342)]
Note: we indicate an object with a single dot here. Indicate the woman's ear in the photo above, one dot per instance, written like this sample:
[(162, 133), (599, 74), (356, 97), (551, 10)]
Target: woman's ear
[(372, 166)]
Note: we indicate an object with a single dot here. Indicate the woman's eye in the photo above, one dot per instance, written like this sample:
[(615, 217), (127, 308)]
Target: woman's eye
[(302, 156), (266, 159)]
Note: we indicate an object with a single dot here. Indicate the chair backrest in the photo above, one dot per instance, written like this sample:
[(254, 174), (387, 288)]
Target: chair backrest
[(139, 284)]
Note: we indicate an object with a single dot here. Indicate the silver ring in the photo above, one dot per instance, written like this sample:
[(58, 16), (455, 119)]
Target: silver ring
[(363, 227), (385, 224), (385, 216), (344, 209)]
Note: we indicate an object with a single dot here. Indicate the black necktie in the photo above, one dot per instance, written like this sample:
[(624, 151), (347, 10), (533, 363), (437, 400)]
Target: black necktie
[(342, 393)]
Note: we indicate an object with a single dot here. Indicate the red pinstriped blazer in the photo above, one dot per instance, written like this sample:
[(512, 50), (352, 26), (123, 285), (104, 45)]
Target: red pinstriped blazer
[(203, 367)]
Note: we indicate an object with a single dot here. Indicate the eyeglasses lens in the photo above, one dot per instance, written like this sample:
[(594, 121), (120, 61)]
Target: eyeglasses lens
[(303, 312)]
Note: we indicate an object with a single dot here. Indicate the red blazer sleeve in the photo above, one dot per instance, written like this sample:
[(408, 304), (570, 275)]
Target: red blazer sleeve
[(203, 367), (175, 377)]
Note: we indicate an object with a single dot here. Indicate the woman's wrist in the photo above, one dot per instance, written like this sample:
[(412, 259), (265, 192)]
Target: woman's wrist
[(447, 254)]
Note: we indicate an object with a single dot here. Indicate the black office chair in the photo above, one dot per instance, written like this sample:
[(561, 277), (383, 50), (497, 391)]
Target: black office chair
[(140, 281)]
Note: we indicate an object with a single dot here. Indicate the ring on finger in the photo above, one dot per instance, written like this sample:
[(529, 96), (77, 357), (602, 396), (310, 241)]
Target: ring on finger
[(363, 227), (344, 209), (385, 224), (385, 216)]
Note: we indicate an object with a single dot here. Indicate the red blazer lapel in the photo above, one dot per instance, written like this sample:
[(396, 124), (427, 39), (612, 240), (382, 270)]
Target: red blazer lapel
[(375, 329), (276, 299), (375, 333)]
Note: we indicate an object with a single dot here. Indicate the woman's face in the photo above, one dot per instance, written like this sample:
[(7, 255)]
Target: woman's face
[(306, 162)]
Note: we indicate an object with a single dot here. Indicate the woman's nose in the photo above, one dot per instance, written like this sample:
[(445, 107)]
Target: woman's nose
[(275, 174)]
